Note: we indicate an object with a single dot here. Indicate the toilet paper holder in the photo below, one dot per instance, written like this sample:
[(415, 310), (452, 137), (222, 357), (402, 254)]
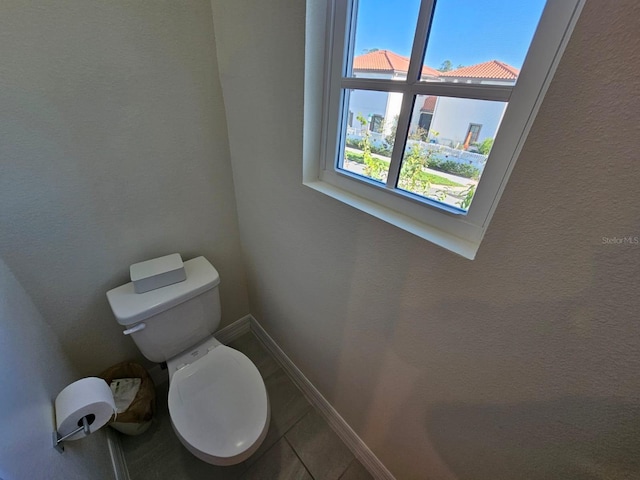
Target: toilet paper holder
[(84, 424), (85, 405)]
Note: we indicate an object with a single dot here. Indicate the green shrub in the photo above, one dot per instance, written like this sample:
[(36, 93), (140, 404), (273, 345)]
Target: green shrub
[(379, 165), (354, 143), (375, 168), (484, 147), (384, 149), (455, 168), (412, 175)]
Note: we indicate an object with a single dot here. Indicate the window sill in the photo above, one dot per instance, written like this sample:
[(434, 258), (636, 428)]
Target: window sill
[(462, 247)]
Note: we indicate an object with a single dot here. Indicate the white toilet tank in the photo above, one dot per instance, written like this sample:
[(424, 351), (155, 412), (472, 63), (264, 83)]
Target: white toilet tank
[(166, 321)]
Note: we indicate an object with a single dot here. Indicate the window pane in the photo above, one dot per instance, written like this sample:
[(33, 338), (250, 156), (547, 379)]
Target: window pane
[(384, 34), (369, 125), (448, 145), (481, 42)]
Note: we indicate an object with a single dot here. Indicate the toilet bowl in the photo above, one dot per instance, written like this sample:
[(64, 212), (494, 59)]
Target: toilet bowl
[(218, 402)]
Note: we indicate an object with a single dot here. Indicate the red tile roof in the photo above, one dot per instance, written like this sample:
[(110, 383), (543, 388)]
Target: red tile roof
[(387, 61), (429, 104), (493, 69)]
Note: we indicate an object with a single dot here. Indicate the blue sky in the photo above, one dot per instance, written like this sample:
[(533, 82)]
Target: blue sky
[(463, 31)]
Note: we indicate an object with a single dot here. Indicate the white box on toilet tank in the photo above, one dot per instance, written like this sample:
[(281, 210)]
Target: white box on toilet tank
[(157, 273)]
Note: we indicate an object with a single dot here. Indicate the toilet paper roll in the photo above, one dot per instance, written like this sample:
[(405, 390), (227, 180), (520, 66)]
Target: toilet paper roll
[(90, 397)]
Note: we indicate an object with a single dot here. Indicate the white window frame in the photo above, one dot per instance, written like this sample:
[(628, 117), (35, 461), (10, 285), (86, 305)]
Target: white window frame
[(325, 63)]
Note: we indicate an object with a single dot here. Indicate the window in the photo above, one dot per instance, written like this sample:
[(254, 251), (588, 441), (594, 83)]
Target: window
[(376, 123), (425, 121), (472, 134), (403, 97)]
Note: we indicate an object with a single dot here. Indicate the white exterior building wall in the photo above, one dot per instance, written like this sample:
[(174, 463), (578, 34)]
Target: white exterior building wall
[(417, 111), (370, 102), (453, 126), (394, 103), (367, 103)]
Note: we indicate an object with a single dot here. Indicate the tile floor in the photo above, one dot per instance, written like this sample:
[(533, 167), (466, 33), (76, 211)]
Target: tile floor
[(300, 445)]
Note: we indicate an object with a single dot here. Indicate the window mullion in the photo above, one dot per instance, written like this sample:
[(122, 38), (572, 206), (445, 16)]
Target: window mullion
[(383, 85), (499, 93), (402, 132), (420, 40), (413, 76)]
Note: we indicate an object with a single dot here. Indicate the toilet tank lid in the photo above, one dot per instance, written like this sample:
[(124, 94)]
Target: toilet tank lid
[(130, 307)]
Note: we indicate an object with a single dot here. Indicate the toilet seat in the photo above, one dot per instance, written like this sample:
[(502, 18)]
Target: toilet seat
[(219, 406)]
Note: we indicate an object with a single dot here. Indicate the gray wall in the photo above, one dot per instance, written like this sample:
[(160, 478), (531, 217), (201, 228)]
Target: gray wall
[(34, 371), (114, 150), (521, 364)]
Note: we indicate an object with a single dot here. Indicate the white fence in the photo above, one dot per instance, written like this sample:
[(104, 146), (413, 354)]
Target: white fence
[(447, 153), (442, 152)]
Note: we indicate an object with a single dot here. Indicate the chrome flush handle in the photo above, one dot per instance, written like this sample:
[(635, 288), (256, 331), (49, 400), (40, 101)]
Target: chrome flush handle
[(137, 328)]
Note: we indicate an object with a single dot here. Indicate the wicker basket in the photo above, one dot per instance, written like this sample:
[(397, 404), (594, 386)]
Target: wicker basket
[(137, 418)]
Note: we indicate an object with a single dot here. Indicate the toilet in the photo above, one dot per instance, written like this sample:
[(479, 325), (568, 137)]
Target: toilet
[(218, 402)]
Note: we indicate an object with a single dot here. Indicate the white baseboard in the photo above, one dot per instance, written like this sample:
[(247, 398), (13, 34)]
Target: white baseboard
[(229, 333), (375, 467), (118, 463)]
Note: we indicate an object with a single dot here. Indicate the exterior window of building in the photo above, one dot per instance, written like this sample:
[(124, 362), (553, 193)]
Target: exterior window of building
[(425, 121), (376, 123), (473, 133)]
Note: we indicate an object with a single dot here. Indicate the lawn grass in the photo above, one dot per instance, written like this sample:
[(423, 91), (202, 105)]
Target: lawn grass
[(438, 180), (430, 177)]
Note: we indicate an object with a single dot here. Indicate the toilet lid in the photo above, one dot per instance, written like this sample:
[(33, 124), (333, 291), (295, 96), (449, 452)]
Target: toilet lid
[(218, 404)]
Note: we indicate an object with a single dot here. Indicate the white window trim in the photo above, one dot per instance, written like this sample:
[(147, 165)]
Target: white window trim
[(448, 228)]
